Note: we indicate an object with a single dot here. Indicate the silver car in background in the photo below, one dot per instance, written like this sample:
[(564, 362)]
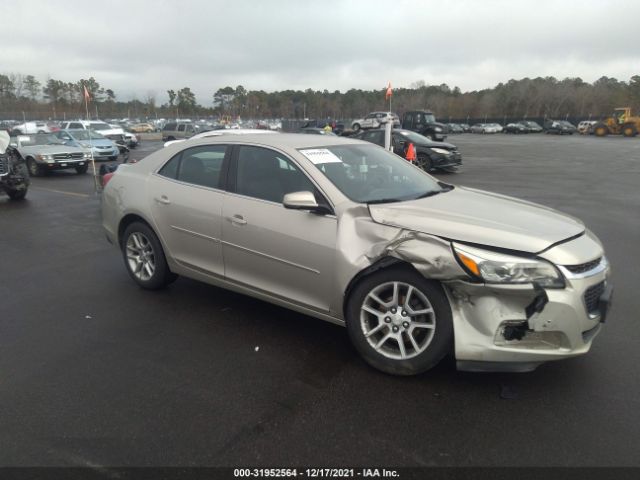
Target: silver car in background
[(342, 230)]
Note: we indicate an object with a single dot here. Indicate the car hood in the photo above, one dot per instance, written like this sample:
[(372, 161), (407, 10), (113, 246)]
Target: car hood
[(49, 149), (484, 218)]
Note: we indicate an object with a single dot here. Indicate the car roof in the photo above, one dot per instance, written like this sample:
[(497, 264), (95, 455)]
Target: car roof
[(286, 140)]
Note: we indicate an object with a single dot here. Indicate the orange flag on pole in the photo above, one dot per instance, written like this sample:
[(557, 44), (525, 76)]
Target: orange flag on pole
[(389, 92), (87, 97)]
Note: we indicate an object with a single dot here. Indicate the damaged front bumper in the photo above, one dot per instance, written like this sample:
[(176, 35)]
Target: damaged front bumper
[(518, 327)]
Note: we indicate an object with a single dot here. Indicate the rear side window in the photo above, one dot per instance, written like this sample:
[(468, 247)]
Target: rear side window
[(169, 126), (73, 125), (198, 166)]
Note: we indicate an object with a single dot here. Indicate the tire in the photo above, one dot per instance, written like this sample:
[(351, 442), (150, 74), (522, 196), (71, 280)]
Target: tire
[(17, 194), (601, 131), (424, 162), (82, 169), (150, 272), (35, 170), (432, 330), (629, 130), (355, 127)]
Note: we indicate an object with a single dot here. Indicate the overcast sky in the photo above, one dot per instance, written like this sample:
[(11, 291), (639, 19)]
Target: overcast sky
[(139, 46)]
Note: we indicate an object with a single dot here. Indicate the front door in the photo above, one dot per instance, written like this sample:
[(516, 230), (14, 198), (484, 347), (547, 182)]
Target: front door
[(186, 199), (286, 253)]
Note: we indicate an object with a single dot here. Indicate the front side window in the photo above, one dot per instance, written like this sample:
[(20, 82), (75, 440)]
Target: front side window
[(369, 174), (268, 175), (181, 128)]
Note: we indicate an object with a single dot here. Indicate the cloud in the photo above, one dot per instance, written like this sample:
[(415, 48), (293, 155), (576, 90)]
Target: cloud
[(135, 47)]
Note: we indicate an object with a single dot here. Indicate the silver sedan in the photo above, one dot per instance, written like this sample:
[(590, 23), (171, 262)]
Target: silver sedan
[(347, 232)]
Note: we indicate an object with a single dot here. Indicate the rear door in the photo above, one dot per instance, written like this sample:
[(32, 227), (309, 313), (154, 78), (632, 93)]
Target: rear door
[(286, 253), (186, 198)]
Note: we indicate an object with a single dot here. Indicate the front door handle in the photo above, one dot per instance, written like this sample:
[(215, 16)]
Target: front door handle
[(238, 220), (163, 200)]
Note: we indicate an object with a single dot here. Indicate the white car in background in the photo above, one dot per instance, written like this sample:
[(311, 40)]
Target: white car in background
[(218, 133), (100, 127), (584, 127), (375, 120), (31, 127)]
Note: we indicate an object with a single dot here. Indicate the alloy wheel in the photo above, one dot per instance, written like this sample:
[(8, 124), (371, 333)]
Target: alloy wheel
[(397, 320), (140, 256)]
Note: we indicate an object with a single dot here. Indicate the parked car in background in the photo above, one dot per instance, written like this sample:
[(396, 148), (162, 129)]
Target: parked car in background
[(130, 139), (177, 131), (44, 152), (430, 155), (515, 128), (142, 128), (316, 131), (113, 132), (14, 177), (375, 120), (585, 127), (559, 127), (424, 122), (30, 127), (103, 148), (416, 269), (486, 128), (532, 126), (455, 128), (224, 131), (465, 127)]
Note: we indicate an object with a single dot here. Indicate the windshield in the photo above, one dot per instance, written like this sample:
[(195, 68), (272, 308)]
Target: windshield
[(100, 126), (414, 137), (39, 139), (370, 174), (428, 118), (85, 134)]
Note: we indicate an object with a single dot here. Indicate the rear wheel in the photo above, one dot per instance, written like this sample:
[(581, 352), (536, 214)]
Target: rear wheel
[(356, 127), (629, 130), (144, 257), (400, 322)]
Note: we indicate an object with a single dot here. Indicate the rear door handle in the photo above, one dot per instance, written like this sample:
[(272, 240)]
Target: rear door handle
[(163, 200), (238, 220)]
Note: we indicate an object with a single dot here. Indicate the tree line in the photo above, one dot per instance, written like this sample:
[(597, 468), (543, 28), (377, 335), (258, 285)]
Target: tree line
[(24, 95)]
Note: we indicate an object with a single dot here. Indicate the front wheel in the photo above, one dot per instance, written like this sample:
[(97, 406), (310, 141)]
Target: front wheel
[(629, 131), (399, 321), (17, 194), (424, 162), (35, 170), (355, 127), (144, 257)]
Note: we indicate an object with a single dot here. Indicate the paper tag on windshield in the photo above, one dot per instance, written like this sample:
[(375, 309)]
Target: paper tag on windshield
[(320, 155)]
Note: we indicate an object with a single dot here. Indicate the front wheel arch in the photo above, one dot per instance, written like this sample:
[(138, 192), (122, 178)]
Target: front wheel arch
[(128, 220)]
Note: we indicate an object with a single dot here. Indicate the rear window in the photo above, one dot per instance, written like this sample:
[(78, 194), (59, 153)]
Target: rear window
[(170, 126)]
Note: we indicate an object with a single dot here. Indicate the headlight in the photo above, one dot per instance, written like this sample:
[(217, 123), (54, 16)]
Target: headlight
[(87, 155), (495, 267), (441, 151), (44, 157), (438, 129)]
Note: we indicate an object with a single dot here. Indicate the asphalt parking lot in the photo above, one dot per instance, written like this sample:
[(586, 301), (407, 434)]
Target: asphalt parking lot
[(95, 371)]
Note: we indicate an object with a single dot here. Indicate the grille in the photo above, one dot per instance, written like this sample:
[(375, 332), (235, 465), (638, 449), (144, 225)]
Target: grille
[(584, 267), (66, 156), (592, 297), (102, 147), (4, 165)]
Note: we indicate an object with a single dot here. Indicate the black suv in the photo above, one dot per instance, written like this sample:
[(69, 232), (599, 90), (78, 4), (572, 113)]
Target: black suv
[(424, 122), (14, 177)]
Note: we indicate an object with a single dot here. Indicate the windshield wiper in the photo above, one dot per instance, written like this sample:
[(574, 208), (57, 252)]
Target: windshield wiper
[(445, 188), (385, 200)]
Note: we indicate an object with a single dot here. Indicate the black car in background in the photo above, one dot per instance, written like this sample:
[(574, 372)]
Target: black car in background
[(515, 128), (559, 127), (430, 155), (532, 126), (455, 128)]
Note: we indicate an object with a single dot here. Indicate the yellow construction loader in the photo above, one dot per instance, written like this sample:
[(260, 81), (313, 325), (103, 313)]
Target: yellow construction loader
[(620, 123)]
